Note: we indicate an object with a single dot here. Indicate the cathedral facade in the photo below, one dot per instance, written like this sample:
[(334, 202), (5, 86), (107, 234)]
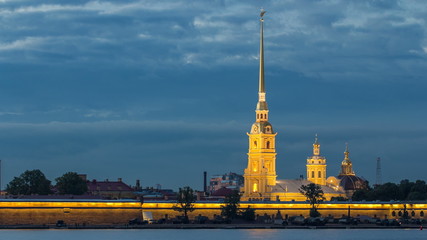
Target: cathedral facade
[(260, 177)]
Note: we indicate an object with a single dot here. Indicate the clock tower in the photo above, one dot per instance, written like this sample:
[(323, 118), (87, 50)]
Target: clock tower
[(260, 174)]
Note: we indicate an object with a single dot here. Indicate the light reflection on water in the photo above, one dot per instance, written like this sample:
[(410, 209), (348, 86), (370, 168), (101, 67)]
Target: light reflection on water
[(215, 234)]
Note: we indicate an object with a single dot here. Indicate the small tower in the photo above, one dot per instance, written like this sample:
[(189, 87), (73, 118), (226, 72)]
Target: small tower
[(260, 175), (316, 165), (346, 164)]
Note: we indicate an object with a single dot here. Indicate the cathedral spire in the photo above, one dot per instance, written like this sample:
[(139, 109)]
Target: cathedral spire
[(316, 146), (346, 165), (261, 55), (346, 153), (262, 104)]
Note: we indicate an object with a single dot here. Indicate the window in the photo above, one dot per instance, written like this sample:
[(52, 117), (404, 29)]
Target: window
[(255, 144), (319, 174), (312, 174), (255, 187), (422, 214), (393, 214), (268, 144)]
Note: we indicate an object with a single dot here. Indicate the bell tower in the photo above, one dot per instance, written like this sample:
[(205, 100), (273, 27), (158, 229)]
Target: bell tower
[(316, 165), (346, 164), (260, 174)]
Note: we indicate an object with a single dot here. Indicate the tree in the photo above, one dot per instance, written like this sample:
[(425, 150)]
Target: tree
[(314, 195), (405, 187), (248, 214), (363, 194), (71, 183), (386, 192), (29, 182), (231, 208), (185, 201)]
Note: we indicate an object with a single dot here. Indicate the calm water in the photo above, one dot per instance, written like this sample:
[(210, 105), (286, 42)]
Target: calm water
[(214, 234)]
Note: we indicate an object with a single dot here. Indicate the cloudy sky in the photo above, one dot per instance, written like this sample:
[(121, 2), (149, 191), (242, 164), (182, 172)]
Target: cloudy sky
[(164, 90)]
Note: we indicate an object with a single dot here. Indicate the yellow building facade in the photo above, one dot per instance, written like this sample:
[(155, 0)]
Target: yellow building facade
[(316, 166), (260, 177), (260, 173)]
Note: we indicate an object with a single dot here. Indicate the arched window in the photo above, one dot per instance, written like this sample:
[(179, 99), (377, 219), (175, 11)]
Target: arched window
[(261, 116), (400, 213), (319, 174), (412, 213), (422, 214), (312, 174), (255, 187), (268, 144), (255, 144), (393, 214)]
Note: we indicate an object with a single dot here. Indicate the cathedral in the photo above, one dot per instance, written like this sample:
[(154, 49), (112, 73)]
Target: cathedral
[(260, 178)]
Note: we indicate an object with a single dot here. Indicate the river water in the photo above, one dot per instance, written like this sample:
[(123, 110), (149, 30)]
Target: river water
[(215, 234)]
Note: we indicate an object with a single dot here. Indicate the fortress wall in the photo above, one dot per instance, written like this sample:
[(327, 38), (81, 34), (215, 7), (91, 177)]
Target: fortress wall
[(337, 210), (79, 212), (15, 212)]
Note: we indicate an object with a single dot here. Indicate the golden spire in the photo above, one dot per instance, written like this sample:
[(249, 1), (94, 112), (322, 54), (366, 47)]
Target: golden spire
[(262, 104), (346, 165), (316, 146), (346, 153), (261, 54)]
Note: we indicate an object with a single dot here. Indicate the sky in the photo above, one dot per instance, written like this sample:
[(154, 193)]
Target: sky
[(163, 90)]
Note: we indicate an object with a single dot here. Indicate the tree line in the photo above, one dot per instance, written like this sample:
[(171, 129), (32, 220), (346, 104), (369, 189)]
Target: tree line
[(403, 191), (230, 210), (34, 182)]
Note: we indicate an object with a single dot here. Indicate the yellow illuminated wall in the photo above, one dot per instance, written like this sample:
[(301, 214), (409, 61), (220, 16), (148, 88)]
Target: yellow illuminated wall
[(337, 210), (15, 212)]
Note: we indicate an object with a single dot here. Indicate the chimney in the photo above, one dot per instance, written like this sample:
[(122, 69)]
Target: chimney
[(138, 184), (205, 182), (119, 179)]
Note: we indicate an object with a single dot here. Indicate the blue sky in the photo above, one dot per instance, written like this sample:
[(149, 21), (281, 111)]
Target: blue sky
[(164, 90)]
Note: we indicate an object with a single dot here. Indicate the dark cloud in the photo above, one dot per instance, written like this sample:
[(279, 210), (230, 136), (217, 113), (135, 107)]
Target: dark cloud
[(164, 90)]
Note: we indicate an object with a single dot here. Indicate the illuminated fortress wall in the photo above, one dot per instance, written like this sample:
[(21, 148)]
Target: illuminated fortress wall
[(380, 210), (39, 212)]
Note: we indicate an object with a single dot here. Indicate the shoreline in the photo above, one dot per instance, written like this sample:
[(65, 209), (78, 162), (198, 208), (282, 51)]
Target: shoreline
[(204, 226)]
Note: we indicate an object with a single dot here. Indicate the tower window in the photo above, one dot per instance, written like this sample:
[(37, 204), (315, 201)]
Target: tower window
[(312, 174), (255, 187), (268, 144), (255, 144), (319, 174), (261, 116)]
